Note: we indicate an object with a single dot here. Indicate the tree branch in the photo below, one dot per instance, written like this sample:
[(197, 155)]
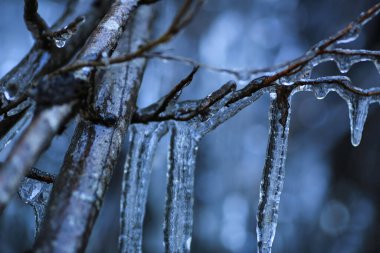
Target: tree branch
[(183, 18), (39, 61), (27, 150), (35, 23), (39, 175), (79, 190)]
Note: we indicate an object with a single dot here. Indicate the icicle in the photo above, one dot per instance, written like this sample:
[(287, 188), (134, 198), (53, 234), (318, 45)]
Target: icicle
[(358, 109), (320, 91), (343, 63), (143, 141), (377, 65), (36, 194), (274, 169), (179, 198)]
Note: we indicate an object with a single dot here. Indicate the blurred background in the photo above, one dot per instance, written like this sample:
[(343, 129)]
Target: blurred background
[(331, 196)]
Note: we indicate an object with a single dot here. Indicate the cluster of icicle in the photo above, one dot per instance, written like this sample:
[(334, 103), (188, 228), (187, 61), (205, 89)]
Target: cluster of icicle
[(185, 137)]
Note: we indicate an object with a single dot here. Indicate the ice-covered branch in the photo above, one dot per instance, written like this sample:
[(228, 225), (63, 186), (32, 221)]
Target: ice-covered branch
[(180, 187), (34, 22), (40, 30), (174, 94), (87, 169), (143, 141), (47, 122), (345, 35), (182, 18), (39, 61), (28, 148), (61, 36), (274, 169), (183, 111), (15, 84)]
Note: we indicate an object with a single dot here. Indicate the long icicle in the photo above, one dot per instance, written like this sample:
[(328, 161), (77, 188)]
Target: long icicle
[(179, 197), (143, 141), (274, 169)]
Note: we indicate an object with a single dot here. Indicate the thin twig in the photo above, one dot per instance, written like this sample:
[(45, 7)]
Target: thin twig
[(148, 1), (318, 49), (176, 91), (183, 18), (40, 175), (61, 36), (200, 108), (34, 22)]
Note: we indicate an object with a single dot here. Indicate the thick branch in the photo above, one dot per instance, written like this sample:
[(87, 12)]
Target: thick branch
[(39, 61), (88, 164), (26, 151)]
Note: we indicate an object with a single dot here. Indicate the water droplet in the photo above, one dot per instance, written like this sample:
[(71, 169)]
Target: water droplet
[(60, 42)]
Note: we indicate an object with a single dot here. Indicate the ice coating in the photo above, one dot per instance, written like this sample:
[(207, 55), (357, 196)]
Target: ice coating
[(352, 35), (274, 170), (180, 193), (143, 141), (358, 110)]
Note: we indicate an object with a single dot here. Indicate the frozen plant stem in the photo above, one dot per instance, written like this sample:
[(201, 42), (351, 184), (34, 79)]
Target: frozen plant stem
[(87, 168), (180, 187), (143, 141), (274, 169)]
